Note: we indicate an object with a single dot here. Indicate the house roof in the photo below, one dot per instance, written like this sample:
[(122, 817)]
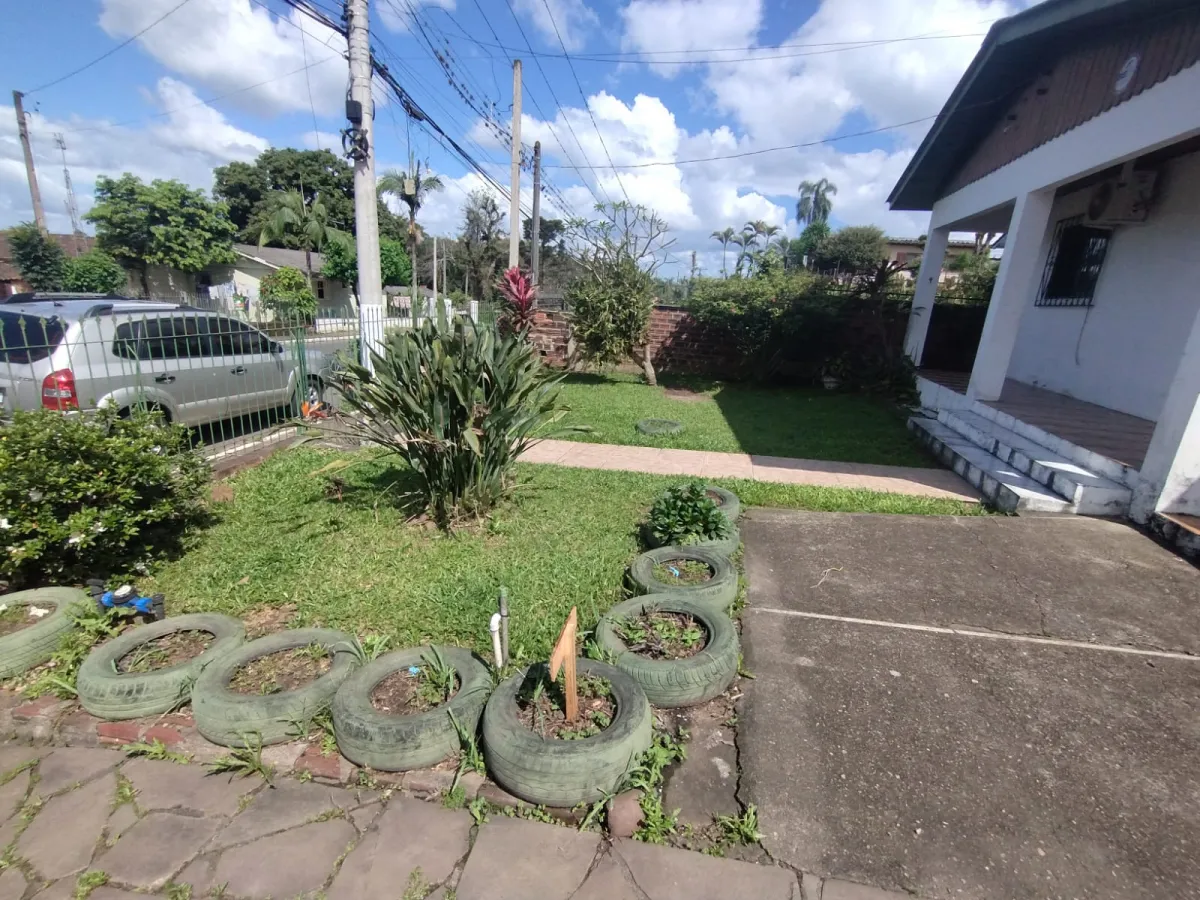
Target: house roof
[(1014, 48), (72, 244), (920, 242), (278, 257)]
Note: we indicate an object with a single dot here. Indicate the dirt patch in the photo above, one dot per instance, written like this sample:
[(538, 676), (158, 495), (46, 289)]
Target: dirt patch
[(715, 497), (685, 395), (683, 571), (663, 635), (286, 670), (540, 707), (169, 650), (17, 618), (408, 691), (267, 619)]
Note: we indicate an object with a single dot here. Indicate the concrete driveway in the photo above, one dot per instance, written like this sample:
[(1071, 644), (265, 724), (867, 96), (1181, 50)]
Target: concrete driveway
[(954, 708)]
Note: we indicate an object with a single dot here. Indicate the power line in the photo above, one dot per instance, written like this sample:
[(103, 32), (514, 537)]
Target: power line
[(308, 86), (110, 52)]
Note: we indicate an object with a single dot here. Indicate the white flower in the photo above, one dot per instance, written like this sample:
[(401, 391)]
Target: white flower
[(37, 612), (3, 607), (36, 496), (75, 539), (97, 527), (156, 449), (4, 524)]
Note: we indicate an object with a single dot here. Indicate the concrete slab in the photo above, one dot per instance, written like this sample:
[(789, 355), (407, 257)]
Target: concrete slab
[(156, 848), (167, 786), (949, 766), (663, 873), (296, 862), (62, 837), (515, 859), (66, 767), (287, 804)]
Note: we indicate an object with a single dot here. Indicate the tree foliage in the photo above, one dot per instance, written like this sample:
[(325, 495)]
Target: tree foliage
[(809, 242), (855, 248), (974, 277), (38, 257), (341, 263), (480, 248), (288, 293), (815, 204), (94, 272)]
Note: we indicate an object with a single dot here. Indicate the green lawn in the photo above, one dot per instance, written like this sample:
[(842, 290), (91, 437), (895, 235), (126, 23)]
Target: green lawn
[(356, 564), (796, 422)]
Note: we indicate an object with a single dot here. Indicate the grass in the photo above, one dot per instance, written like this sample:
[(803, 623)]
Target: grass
[(803, 423), (355, 564)]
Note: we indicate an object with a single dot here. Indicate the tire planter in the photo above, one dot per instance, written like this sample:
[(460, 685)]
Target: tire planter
[(716, 594), (565, 773), (726, 546), (399, 742), (728, 503), (659, 426), (110, 694), (227, 717), (671, 683), (21, 650)]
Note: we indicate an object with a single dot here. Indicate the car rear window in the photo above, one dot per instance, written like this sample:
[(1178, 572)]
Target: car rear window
[(28, 339)]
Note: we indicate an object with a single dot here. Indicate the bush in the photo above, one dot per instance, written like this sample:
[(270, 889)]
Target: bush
[(288, 293), (610, 313), (93, 496), (39, 259), (685, 514), (458, 404), (519, 298), (94, 272)]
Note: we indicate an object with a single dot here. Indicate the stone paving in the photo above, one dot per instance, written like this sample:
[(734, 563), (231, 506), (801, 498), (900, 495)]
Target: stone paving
[(704, 464), (152, 827)]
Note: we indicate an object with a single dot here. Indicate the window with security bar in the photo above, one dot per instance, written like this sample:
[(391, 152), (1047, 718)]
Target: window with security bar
[(1073, 265)]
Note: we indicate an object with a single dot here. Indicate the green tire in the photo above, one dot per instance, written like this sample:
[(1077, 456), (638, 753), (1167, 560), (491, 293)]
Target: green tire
[(110, 694), (398, 742), (728, 501), (671, 683), (21, 650), (717, 594), (565, 773), (726, 545), (227, 717), (659, 426)]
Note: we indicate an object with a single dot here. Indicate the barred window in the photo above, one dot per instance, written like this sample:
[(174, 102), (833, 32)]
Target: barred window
[(1073, 265)]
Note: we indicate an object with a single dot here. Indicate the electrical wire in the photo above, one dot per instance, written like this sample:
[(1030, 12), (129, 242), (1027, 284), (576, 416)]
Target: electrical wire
[(308, 85), (109, 52)]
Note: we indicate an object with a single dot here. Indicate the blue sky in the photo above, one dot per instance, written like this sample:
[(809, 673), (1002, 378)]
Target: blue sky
[(659, 81)]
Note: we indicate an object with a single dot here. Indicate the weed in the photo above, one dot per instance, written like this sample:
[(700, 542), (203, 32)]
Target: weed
[(126, 792), (478, 808), (88, 882), (657, 824), (417, 888), (244, 761), (535, 814), (315, 651), (714, 850), (593, 649), (742, 670), (455, 798), (305, 776), (470, 756), (92, 625), (178, 891), (741, 829), (323, 721), (438, 677), (155, 749), (647, 773), (366, 649)]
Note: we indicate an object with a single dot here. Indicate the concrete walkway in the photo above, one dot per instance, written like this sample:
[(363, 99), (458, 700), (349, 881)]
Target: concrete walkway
[(703, 464)]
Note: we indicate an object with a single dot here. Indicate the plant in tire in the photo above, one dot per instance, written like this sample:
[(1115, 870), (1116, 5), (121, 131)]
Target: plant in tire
[(98, 495), (685, 514), (459, 405)]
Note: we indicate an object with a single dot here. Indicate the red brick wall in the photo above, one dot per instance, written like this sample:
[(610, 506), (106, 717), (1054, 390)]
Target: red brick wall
[(678, 343)]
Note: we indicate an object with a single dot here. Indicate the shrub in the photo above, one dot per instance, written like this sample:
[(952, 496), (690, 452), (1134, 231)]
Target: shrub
[(93, 496), (94, 272), (610, 310), (519, 297), (458, 404), (39, 259), (288, 293), (685, 514)]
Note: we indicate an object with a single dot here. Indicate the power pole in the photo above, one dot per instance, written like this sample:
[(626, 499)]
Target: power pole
[(72, 205), (39, 215), (514, 206), (535, 248), (360, 110), (435, 279)]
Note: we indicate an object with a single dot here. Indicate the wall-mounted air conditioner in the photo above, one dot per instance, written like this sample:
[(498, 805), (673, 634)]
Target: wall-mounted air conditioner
[(1124, 199)]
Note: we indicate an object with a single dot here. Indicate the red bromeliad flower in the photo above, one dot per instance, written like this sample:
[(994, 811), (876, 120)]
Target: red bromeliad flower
[(519, 298)]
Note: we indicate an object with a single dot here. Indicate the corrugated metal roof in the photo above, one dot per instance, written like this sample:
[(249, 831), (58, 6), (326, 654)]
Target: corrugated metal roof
[(278, 257)]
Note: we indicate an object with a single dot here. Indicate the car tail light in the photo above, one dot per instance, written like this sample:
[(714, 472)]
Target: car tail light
[(58, 390)]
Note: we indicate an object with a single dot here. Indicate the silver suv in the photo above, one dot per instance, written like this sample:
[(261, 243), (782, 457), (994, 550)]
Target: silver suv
[(194, 365)]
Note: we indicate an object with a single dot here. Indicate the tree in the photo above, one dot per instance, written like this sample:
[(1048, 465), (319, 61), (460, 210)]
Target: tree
[(724, 237), (854, 249), (288, 292), (305, 220), (341, 263), (809, 243), (94, 272), (975, 276), (391, 226), (164, 223), (39, 259), (394, 264), (412, 189), (480, 247), (746, 242), (242, 186), (814, 204)]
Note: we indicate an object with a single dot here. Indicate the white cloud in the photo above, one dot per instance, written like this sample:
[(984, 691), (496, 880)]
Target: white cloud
[(657, 26), (185, 144), (323, 140), (397, 16), (226, 45), (573, 18)]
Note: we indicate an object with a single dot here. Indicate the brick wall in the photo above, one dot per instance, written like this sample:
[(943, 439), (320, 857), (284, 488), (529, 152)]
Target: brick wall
[(678, 343)]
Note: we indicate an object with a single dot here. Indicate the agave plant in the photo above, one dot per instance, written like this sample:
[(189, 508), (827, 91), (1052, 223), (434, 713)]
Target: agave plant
[(519, 298), (459, 404)]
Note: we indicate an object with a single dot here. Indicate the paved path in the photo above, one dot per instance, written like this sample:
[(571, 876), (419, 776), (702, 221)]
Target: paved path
[(659, 461), (148, 825)]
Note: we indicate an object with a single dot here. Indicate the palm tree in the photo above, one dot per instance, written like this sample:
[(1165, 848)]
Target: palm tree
[(814, 204), (784, 244), (412, 188), (308, 221), (746, 241), (724, 237)]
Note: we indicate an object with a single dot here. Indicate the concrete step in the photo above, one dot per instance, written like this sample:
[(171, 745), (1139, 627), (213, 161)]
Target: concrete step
[(1089, 494), (1006, 488)]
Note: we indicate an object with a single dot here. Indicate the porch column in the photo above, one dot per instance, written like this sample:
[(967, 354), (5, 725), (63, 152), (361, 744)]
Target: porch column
[(1170, 475), (924, 292), (1016, 284)]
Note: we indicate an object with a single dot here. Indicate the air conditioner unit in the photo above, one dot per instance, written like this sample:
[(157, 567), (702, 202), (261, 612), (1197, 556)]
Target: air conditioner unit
[(1124, 199)]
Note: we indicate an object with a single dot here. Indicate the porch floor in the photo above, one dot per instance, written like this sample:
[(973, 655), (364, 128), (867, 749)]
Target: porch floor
[(1116, 435)]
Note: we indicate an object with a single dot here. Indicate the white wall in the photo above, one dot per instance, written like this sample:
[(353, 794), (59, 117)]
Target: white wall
[(1123, 351)]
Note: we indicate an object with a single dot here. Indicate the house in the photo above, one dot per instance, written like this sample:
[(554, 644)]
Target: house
[(1076, 132), (11, 281), (235, 286), (909, 250)]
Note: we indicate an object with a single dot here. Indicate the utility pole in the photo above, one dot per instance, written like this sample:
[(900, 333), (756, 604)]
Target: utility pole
[(72, 205), (435, 279), (39, 215), (535, 228), (514, 206), (360, 110)]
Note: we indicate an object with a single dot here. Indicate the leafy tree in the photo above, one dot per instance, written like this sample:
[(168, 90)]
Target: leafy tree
[(391, 226), (856, 248), (307, 221), (288, 292), (341, 263), (480, 247), (39, 259), (975, 276), (164, 223), (394, 263), (412, 189), (815, 204), (242, 186), (809, 242), (94, 272), (725, 237)]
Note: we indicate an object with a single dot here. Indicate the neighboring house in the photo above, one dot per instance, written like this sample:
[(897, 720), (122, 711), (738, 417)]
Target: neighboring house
[(1076, 131), (11, 281), (909, 250), (235, 286)]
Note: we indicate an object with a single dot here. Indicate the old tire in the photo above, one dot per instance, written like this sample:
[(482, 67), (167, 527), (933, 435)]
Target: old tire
[(727, 502), (399, 742), (726, 545), (659, 426), (717, 594), (110, 694), (565, 773), (228, 718), (671, 683), (21, 650)]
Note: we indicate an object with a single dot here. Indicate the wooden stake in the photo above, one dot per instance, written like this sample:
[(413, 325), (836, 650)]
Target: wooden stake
[(562, 658)]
